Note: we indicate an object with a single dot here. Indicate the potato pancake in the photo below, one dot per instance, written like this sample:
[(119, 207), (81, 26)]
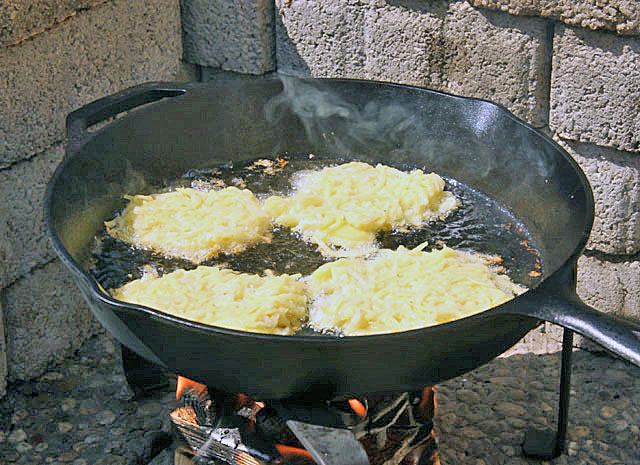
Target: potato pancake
[(342, 208), (221, 297), (193, 224), (404, 289)]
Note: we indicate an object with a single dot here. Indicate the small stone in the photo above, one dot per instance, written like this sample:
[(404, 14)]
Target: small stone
[(546, 407), (602, 445), (109, 347), (88, 407), (607, 411), (18, 416), (111, 460), (509, 451), (65, 426), (93, 438), (579, 432), (502, 372), (635, 429), (3, 437), (149, 409), (69, 404), (618, 426), (468, 396), (23, 447), (80, 446), (518, 423), (536, 385), (52, 376), (518, 395), (17, 436), (615, 375), (118, 379), (68, 457), (510, 410), (42, 447), (152, 423), (572, 448), (621, 404), (504, 380), (82, 426), (106, 417)]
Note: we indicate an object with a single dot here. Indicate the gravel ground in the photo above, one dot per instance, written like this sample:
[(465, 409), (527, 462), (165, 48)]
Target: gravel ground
[(521, 393), (82, 412)]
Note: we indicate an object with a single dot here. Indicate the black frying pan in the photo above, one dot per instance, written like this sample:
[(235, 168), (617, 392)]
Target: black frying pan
[(476, 142)]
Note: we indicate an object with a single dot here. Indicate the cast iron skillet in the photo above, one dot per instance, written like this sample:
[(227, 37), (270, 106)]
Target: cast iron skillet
[(196, 125)]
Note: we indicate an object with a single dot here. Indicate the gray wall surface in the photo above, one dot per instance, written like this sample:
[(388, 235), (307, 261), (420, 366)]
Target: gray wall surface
[(57, 56)]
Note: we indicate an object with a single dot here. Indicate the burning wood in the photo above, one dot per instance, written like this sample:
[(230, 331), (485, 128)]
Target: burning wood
[(196, 397), (238, 430)]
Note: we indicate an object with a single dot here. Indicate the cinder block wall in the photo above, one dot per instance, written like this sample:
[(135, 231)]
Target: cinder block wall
[(56, 55), (571, 69)]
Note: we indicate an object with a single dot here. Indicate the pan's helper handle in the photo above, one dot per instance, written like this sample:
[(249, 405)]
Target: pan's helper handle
[(615, 334), (99, 110)]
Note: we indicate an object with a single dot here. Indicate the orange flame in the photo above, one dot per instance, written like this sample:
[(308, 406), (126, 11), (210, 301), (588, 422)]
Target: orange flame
[(184, 383), (292, 453), (358, 407), (428, 403)]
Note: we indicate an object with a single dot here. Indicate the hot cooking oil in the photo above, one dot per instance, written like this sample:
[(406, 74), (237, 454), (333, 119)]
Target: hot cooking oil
[(480, 225)]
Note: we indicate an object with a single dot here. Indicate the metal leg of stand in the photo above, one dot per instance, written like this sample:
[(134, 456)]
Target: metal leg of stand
[(144, 377), (545, 444)]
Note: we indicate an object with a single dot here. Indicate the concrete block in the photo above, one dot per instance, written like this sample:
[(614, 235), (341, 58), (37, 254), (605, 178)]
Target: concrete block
[(407, 44), (500, 58), (24, 244), (621, 16), (610, 286), (321, 38), (231, 35), (93, 54), (595, 90), (615, 180), (447, 46), (3, 355), (20, 20), (47, 319)]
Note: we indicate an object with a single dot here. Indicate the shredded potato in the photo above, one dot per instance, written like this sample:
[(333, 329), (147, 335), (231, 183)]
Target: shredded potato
[(402, 290), (193, 224), (221, 297), (347, 205)]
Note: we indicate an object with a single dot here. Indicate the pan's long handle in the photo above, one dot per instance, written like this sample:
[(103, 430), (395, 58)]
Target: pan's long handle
[(617, 335)]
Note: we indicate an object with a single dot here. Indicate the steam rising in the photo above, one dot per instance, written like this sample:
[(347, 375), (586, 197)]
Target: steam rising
[(464, 139), (341, 126)]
